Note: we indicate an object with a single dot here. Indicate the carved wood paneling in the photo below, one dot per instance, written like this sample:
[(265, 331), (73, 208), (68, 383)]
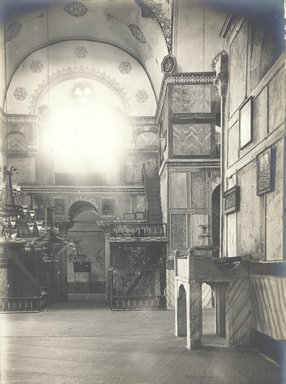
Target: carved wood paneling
[(198, 190), (178, 231), (192, 139)]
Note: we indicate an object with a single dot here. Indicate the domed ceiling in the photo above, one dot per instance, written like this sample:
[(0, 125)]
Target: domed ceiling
[(79, 62), (117, 43)]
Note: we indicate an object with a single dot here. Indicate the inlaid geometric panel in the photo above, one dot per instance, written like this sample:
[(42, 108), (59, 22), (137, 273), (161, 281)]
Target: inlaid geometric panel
[(178, 231), (191, 98), (140, 204), (146, 139), (59, 206), (16, 142), (192, 139), (108, 207), (133, 171), (178, 190), (198, 190)]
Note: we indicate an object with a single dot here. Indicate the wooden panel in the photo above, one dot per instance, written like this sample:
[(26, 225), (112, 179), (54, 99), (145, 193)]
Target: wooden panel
[(178, 231), (192, 139), (170, 288), (164, 195), (191, 98), (277, 98), (238, 311), (233, 144), (198, 190), (269, 305), (250, 217), (237, 81), (196, 230), (178, 190), (3, 282), (259, 127), (274, 210), (231, 234)]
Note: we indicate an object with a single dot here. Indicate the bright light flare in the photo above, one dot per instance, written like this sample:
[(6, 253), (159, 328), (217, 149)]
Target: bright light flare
[(85, 139)]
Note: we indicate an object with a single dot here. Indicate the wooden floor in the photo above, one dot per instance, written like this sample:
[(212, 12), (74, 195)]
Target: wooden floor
[(83, 344)]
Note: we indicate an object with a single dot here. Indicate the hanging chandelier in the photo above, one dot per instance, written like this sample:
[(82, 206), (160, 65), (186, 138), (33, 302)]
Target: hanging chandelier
[(19, 223), (18, 220)]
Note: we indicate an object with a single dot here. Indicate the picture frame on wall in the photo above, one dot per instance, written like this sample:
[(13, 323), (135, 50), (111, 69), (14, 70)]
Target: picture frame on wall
[(231, 200), (265, 171), (245, 123)]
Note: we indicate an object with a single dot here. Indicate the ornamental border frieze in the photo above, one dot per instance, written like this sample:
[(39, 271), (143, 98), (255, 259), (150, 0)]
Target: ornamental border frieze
[(207, 117), (20, 118), (69, 73), (140, 129), (142, 120), (164, 20), (79, 190)]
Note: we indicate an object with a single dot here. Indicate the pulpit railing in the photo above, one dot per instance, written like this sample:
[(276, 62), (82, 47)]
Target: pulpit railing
[(123, 229)]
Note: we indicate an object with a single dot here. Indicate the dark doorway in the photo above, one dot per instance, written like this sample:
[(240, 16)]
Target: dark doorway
[(182, 312)]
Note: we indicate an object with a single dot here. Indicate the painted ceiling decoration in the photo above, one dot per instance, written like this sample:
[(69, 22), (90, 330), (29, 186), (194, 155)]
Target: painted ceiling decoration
[(137, 33), (57, 63), (125, 67), (141, 96), (80, 72), (36, 66), (76, 9), (80, 52), (140, 35), (163, 17), (12, 30), (20, 93)]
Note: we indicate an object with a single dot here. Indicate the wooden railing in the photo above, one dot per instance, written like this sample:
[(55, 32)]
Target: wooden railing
[(138, 230), (23, 304), (129, 303)]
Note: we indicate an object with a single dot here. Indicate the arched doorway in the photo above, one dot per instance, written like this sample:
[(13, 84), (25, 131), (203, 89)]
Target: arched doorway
[(182, 312), (86, 277)]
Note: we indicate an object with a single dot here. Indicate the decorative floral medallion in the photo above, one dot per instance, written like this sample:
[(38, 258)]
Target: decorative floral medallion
[(20, 93), (80, 52), (125, 67), (141, 96), (76, 9), (36, 66), (137, 33), (12, 30)]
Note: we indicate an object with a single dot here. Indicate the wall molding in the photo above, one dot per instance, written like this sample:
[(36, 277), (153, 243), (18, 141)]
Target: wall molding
[(57, 189)]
